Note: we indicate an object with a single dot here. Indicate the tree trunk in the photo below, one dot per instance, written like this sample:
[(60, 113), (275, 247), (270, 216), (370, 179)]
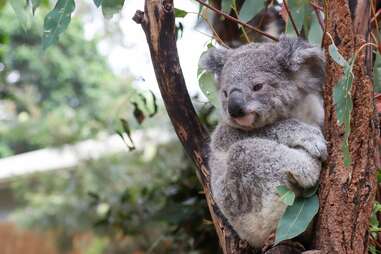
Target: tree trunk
[(347, 193)]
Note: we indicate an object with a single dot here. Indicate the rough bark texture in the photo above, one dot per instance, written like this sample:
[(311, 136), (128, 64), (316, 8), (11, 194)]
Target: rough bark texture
[(347, 194)]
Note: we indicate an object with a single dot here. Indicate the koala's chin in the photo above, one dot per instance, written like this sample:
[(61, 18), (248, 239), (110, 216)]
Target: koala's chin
[(265, 138), (246, 122)]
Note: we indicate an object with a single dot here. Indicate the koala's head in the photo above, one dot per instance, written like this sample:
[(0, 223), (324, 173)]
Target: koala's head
[(261, 83)]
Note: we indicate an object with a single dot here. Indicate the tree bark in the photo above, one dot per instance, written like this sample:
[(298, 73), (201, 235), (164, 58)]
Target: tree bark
[(347, 193)]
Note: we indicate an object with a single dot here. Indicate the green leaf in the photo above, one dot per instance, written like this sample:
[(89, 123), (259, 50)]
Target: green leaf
[(286, 195), (250, 8), (126, 130), (379, 175), (315, 34), (111, 7), (98, 2), (226, 5), (207, 84), (298, 11), (377, 73), (343, 98), (20, 8), (336, 56), (180, 13), (144, 103), (35, 5), (296, 218), (2, 3), (343, 104), (57, 21)]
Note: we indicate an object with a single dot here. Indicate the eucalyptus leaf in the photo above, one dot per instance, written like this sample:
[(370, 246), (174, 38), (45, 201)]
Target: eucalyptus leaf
[(98, 2), (298, 12), (286, 195), (336, 56), (226, 5), (343, 98), (250, 9), (35, 4), (57, 21), (377, 73), (343, 104), (111, 7), (315, 35), (127, 131), (179, 13), (296, 218), (207, 84)]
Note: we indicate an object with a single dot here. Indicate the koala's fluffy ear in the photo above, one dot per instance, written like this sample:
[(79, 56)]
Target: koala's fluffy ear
[(305, 60), (214, 60)]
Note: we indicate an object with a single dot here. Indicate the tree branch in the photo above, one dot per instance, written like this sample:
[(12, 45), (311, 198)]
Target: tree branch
[(317, 10), (291, 18), (347, 193), (236, 20)]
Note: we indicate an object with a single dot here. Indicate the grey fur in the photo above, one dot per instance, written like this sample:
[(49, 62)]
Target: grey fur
[(278, 140)]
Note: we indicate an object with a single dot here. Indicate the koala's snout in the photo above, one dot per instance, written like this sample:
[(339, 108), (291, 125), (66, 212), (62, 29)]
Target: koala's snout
[(236, 104)]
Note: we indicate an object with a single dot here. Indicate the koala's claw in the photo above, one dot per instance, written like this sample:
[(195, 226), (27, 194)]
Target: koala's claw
[(317, 148), (315, 145)]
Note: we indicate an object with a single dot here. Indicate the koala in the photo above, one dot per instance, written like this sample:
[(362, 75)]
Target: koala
[(269, 133)]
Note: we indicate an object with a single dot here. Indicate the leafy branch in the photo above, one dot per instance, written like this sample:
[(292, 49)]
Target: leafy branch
[(285, 4), (244, 24)]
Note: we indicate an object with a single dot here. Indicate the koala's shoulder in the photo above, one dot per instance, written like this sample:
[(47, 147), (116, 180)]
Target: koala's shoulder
[(224, 136)]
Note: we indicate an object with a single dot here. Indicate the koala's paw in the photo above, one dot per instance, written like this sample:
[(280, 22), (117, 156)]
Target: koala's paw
[(314, 144)]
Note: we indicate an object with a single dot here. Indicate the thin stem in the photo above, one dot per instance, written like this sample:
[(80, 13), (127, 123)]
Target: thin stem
[(218, 38), (243, 29), (375, 16), (237, 20), (291, 18), (317, 10), (315, 6), (374, 19)]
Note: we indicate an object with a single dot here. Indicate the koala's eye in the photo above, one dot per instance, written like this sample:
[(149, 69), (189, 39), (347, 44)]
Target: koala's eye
[(225, 93), (257, 87)]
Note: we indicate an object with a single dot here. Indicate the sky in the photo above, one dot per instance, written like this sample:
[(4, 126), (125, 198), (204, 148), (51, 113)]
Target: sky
[(131, 55)]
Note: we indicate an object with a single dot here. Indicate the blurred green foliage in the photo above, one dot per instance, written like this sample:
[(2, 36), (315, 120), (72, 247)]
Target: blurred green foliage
[(146, 201), (54, 97)]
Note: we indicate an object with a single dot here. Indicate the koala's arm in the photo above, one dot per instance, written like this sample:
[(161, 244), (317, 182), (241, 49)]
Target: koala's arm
[(296, 134)]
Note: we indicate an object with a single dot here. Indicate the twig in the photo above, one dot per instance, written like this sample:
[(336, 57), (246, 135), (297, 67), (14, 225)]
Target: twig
[(375, 16), (315, 6), (218, 38), (374, 19), (236, 20), (243, 29), (317, 10), (291, 18)]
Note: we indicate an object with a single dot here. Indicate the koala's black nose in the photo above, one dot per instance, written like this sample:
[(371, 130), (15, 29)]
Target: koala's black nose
[(236, 104)]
